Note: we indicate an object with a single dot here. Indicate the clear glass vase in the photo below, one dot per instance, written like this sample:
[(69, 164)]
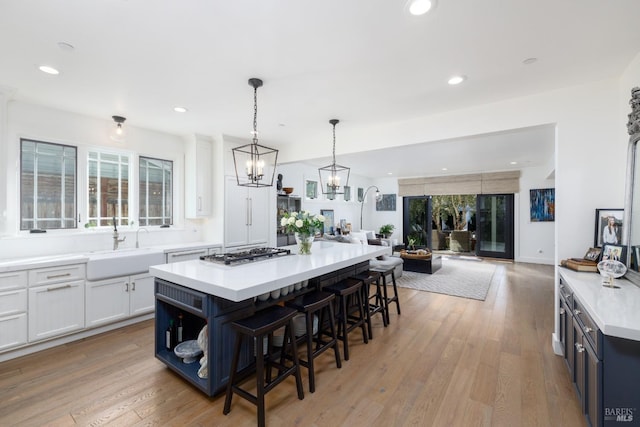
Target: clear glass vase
[(304, 242)]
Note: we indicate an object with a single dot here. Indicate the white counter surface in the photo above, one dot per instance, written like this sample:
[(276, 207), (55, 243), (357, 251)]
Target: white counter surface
[(244, 281), (26, 263), (615, 311)]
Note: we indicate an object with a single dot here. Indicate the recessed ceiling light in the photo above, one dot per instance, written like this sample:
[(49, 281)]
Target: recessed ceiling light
[(420, 7), (180, 109), (49, 70), (445, 169), (514, 163), (456, 80), (389, 173), (529, 61)]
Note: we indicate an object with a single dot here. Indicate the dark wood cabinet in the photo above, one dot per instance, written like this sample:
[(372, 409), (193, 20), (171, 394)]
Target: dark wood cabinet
[(605, 370)]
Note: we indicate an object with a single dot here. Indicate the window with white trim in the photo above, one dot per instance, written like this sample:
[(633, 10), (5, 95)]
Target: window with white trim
[(156, 192), (48, 183), (108, 188)]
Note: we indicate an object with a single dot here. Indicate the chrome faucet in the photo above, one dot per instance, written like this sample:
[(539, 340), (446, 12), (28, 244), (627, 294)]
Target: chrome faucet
[(116, 240), (137, 241)]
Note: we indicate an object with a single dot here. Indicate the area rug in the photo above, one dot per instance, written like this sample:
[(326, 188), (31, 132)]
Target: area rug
[(466, 278)]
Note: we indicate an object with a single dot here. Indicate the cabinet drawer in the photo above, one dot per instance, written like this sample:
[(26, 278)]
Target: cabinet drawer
[(565, 293), (589, 327), (13, 302), (13, 280), (186, 255), (64, 273), (13, 331)]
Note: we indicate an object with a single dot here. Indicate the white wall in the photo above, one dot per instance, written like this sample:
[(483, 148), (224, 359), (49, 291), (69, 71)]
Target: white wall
[(534, 240), (46, 124)]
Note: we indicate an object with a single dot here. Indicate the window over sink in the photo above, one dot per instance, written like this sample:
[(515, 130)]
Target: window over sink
[(48, 180)]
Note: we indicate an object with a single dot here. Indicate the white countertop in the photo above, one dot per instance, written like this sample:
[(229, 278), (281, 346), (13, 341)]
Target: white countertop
[(615, 311), (244, 281), (25, 263)]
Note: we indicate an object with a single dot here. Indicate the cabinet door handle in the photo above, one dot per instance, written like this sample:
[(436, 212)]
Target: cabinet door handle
[(587, 329), (57, 276), (126, 287), (250, 211), (57, 288), (562, 311), (133, 286), (577, 312), (579, 347), (246, 213), (199, 203)]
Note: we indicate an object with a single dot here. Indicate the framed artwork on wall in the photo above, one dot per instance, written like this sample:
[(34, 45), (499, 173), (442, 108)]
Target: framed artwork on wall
[(311, 189), (329, 220), (609, 223), (347, 193), (543, 202), (386, 203)]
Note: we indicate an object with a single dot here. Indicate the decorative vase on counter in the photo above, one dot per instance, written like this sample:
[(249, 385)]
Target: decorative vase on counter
[(304, 242)]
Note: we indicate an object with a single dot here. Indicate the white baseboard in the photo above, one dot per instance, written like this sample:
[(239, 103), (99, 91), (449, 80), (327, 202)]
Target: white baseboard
[(556, 344), (530, 260)]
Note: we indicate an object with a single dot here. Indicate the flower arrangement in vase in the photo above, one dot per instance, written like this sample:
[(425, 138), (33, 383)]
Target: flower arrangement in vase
[(304, 225)]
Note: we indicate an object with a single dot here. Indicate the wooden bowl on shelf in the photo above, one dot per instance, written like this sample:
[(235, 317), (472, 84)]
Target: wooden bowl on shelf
[(287, 190)]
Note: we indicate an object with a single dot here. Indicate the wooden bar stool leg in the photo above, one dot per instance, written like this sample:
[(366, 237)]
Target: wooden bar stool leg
[(312, 378), (234, 368), (260, 379), (395, 291), (332, 326), (296, 363), (363, 316), (386, 298)]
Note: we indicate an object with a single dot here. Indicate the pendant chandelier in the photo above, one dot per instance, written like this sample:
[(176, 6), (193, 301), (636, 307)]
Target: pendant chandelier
[(255, 164), (334, 178)]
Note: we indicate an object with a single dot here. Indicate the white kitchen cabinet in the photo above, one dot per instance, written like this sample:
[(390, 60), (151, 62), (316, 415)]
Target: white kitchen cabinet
[(198, 177), (246, 214), (13, 309), (118, 298), (56, 309)]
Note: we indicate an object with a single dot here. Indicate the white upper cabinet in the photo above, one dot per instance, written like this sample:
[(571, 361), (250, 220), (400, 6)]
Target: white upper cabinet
[(246, 214), (198, 177)]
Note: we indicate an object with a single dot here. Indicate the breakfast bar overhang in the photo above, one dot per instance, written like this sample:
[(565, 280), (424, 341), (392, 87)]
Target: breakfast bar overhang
[(204, 293)]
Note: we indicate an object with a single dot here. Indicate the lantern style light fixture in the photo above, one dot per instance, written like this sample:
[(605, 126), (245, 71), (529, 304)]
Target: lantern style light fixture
[(333, 178), (118, 133), (255, 164)]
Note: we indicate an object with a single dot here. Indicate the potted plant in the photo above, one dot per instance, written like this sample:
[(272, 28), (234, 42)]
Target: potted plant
[(387, 230)]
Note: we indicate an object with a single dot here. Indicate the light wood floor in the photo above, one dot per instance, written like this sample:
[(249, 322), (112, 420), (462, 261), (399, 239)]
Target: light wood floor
[(445, 361)]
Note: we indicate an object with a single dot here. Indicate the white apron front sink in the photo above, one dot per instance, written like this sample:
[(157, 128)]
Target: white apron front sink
[(122, 262)]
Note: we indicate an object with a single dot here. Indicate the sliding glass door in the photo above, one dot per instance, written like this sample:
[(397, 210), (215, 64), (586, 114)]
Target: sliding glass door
[(417, 221), (494, 232)]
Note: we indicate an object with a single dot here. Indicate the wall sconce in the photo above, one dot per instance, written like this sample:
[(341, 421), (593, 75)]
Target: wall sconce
[(118, 133)]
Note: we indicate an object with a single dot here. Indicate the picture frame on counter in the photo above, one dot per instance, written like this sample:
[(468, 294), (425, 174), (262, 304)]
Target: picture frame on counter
[(614, 252), (329, 220), (593, 254), (609, 227)]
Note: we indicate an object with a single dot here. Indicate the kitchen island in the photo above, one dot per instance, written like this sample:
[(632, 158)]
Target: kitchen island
[(203, 293)]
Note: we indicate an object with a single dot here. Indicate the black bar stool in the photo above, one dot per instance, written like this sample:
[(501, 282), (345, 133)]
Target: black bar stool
[(348, 294), (321, 303), (384, 272), (257, 327), (374, 303)]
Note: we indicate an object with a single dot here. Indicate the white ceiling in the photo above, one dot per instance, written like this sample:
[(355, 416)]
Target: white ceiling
[(366, 62)]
